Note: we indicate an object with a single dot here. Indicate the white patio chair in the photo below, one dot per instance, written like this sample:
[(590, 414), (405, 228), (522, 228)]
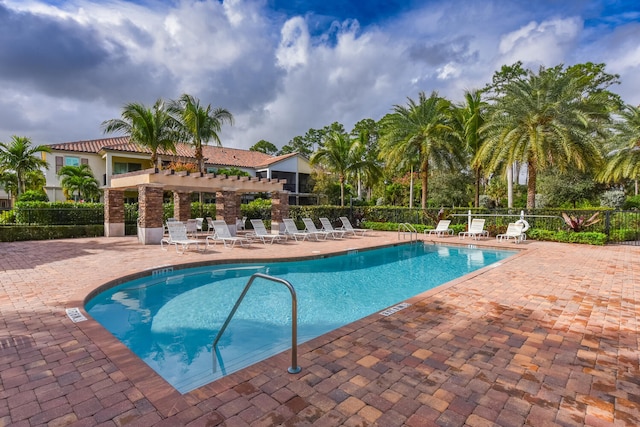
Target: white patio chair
[(441, 229), (327, 226), (291, 229), (178, 237), (261, 232), (347, 227), (514, 231), (310, 227), (223, 234), (475, 231)]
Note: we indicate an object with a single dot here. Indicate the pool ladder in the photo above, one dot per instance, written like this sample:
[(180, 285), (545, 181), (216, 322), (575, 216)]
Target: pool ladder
[(294, 368), (405, 228)]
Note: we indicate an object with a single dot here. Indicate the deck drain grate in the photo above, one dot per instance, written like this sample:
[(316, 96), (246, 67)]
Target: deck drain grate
[(396, 308), (75, 315)]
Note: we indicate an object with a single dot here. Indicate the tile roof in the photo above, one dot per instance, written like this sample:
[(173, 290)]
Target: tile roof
[(271, 160), (214, 155)]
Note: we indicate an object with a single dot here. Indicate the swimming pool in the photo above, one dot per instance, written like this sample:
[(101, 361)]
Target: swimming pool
[(170, 319)]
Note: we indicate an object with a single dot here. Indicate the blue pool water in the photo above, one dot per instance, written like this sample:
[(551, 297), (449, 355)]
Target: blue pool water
[(170, 321)]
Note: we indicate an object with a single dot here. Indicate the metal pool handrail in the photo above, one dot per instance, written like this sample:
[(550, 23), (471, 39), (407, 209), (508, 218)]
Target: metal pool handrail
[(405, 227), (294, 368)]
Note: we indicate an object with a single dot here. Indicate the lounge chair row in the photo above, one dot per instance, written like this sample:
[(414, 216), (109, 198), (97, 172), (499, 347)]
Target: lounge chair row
[(515, 230), (178, 233)]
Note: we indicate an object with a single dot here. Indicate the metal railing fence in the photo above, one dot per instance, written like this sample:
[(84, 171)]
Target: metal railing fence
[(619, 226)]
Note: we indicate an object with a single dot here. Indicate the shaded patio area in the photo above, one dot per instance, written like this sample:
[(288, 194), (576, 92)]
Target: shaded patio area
[(547, 338)]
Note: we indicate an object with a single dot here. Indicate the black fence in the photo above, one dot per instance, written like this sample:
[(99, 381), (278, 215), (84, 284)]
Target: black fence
[(619, 226)]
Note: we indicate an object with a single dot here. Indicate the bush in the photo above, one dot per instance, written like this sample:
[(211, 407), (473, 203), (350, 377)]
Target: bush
[(624, 235), (586, 237), (420, 228), (8, 217), (612, 199), (59, 213), (257, 209), (33, 196), (632, 202), (17, 233)]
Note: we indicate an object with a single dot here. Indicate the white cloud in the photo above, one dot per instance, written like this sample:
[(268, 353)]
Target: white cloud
[(277, 77), (547, 43)]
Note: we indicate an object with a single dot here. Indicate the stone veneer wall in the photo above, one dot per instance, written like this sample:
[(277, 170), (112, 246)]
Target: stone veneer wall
[(182, 205), (150, 206), (113, 213)]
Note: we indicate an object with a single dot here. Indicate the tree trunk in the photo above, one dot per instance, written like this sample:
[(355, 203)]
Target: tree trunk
[(476, 201), (510, 186), (341, 191), (532, 173), (425, 182), (199, 158)]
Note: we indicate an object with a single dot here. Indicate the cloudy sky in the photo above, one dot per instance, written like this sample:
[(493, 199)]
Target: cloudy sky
[(284, 66)]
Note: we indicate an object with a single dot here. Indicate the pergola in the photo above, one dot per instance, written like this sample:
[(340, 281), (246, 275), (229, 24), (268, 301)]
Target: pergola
[(151, 183)]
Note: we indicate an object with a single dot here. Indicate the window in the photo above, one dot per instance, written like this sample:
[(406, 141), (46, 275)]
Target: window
[(119, 167), (71, 161)]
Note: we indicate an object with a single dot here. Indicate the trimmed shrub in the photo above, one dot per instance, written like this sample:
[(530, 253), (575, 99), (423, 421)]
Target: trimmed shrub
[(585, 237)]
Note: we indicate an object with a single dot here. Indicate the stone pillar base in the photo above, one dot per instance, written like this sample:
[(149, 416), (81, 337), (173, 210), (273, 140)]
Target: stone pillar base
[(150, 236), (114, 229)]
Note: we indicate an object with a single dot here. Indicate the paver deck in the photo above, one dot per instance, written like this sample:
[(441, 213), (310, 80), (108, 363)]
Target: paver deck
[(547, 338)]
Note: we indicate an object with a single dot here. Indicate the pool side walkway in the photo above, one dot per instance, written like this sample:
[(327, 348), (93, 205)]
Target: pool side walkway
[(547, 338)]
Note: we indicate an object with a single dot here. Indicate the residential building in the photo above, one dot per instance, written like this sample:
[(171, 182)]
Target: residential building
[(112, 156)]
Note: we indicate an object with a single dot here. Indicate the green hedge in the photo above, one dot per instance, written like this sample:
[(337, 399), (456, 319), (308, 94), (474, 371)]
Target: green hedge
[(393, 226), (17, 233), (586, 237)]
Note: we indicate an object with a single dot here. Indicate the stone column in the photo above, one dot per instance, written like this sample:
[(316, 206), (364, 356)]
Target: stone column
[(279, 210), (150, 221), (227, 208), (113, 213), (181, 205)]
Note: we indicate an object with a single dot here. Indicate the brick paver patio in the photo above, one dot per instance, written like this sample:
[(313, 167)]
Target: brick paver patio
[(549, 337)]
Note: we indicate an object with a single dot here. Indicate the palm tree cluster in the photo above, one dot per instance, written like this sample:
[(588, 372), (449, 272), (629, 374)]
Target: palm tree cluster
[(165, 123), (21, 165), (559, 119)]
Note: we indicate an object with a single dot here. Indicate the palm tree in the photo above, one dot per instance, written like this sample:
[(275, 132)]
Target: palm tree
[(468, 119), (421, 131), (153, 127), (336, 155), (365, 164), (19, 157), (199, 124), (624, 162), (551, 118), (80, 180)]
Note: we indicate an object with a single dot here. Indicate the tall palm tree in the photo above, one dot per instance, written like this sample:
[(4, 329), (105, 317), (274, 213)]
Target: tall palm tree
[(420, 131), (365, 164), (336, 155), (554, 117), (80, 180), (468, 119), (624, 161), (153, 127), (19, 157), (200, 124)]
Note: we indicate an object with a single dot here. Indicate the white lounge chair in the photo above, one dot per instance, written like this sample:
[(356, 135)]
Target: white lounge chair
[(240, 223), (327, 226), (514, 231), (261, 232), (311, 228), (178, 236), (223, 234), (441, 229), (475, 231), (348, 228), (192, 227), (291, 229)]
